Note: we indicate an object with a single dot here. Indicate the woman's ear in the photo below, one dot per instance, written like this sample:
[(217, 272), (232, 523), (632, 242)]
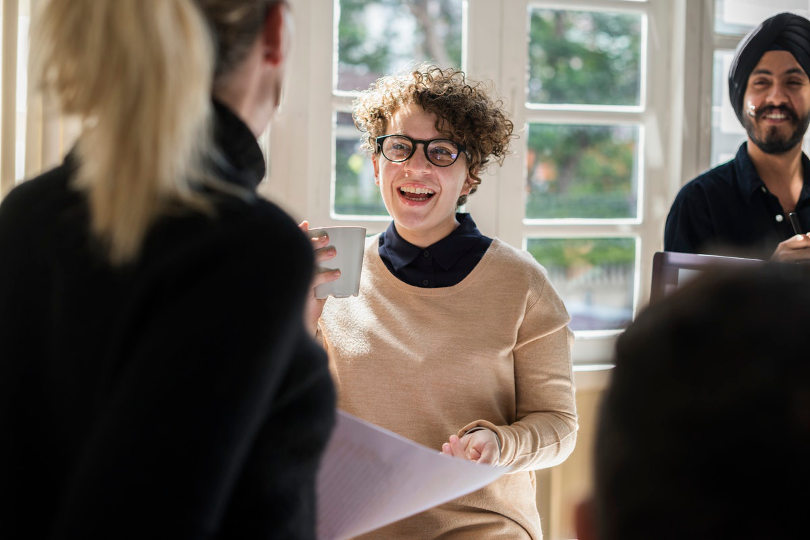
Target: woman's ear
[(375, 161), (273, 36), (468, 185)]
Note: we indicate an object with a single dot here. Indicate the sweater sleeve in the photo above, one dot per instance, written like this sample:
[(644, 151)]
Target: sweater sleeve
[(544, 433)]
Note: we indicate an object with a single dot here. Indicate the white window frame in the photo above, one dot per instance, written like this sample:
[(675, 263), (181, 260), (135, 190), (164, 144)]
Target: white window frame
[(495, 49), (676, 115)]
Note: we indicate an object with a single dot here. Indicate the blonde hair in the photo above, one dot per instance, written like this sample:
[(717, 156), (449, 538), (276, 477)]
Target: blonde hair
[(138, 74)]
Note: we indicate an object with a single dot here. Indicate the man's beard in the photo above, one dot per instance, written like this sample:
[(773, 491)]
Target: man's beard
[(771, 142)]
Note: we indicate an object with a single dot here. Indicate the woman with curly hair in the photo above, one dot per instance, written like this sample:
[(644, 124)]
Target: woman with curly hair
[(456, 340)]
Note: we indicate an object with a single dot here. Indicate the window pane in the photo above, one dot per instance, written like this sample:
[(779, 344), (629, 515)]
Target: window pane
[(727, 132), (22, 88), (740, 16), (580, 57), (355, 191), (387, 36), (594, 276), (576, 171)]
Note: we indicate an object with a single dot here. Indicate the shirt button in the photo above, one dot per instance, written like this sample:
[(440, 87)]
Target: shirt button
[(764, 189), (425, 282), (779, 218), (426, 254)]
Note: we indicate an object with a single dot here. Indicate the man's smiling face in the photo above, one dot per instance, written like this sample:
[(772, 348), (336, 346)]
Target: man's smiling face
[(776, 103)]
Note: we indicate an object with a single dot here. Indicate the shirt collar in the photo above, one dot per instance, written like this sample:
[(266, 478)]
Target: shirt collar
[(446, 252), (747, 176), (750, 181), (805, 194)]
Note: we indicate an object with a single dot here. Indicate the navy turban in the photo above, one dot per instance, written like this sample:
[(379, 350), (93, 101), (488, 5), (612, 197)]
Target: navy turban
[(784, 31)]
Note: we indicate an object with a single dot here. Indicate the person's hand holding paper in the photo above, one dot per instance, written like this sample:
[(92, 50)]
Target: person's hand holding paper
[(479, 445)]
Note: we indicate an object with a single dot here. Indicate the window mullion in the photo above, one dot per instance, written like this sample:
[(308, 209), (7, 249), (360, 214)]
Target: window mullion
[(513, 61), (482, 62)]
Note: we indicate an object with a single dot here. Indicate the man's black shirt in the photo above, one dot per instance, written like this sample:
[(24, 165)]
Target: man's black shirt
[(729, 211)]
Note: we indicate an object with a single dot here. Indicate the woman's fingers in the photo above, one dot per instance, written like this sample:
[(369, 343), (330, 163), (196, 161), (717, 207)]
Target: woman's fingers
[(323, 254), (325, 276), (489, 454), (479, 446)]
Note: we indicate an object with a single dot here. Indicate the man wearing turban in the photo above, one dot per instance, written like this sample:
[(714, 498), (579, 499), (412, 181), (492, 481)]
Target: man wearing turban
[(758, 204)]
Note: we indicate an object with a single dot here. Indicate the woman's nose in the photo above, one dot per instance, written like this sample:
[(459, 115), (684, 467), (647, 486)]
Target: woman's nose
[(418, 160)]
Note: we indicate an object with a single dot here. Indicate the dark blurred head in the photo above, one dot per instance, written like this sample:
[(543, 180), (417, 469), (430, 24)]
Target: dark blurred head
[(704, 431)]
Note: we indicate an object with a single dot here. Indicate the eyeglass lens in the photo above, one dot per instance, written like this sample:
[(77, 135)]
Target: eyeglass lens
[(440, 152)]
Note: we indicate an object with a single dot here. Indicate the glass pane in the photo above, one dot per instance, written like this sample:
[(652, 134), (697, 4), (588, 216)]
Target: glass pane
[(576, 171), (594, 276), (740, 16), (581, 57), (22, 87), (2, 69), (355, 191), (387, 36), (727, 132)]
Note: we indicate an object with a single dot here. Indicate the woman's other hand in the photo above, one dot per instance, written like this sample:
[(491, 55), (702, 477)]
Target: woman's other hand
[(323, 252), (480, 446)]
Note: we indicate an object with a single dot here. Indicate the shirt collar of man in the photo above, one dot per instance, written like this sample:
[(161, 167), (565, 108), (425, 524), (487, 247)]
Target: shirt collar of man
[(446, 252), (750, 182), (748, 178)]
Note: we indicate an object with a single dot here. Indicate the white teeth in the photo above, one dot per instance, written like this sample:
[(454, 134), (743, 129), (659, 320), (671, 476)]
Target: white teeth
[(417, 190), (776, 116)]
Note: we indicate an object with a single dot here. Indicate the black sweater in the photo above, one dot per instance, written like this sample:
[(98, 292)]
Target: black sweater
[(178, 396)]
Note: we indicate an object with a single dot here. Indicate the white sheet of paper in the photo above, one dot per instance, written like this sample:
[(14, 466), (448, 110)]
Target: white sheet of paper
[(370, 477)]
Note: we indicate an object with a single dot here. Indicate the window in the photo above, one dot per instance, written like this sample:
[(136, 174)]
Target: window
[(583, 61), (594, 168), (595, 152), (14, 21)]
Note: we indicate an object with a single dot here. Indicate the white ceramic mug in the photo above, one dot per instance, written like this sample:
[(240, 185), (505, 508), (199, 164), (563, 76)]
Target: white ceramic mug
[(349, 244)]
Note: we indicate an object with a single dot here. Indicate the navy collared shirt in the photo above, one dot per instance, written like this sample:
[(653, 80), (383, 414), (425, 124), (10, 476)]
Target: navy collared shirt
[(729, 211), (442, 264)]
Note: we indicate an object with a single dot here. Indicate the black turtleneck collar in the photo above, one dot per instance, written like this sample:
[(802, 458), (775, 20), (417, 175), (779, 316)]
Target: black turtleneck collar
[(243, 159)]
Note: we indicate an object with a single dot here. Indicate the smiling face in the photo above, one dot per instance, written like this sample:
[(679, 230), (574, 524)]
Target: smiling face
[(776, 102), (419, 196)]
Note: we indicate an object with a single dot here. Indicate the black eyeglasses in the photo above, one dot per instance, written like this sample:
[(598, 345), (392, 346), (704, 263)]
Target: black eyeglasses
[(399, 148)]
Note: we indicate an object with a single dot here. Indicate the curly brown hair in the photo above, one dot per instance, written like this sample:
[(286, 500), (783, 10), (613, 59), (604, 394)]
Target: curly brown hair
[(464, 109)]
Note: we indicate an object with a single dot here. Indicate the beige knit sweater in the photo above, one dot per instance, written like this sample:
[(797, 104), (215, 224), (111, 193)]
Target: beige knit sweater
[(492, 351)]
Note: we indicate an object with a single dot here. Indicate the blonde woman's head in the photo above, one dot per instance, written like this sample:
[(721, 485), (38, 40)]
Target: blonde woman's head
[(139, 75)]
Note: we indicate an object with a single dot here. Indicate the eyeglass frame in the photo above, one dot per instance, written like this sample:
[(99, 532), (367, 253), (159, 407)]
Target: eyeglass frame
[(461, 148)]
